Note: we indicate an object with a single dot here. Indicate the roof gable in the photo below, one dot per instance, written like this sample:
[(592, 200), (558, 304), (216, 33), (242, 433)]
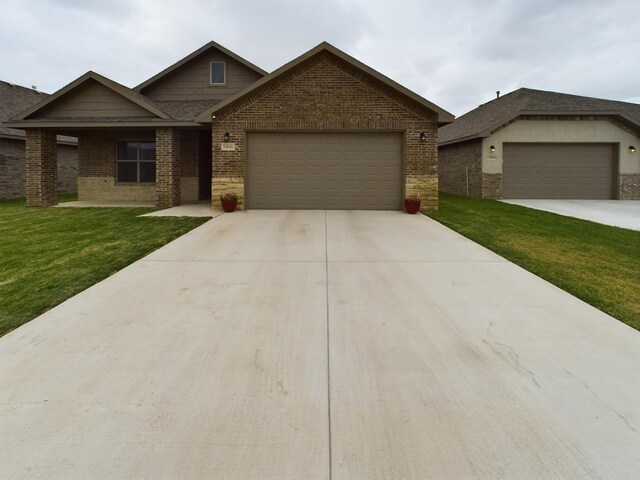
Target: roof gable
[(91, 96), (192, 56), (325, 48), (482, 121)]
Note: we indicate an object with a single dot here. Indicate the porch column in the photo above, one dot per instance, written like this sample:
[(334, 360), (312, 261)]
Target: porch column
[(42, 168), (167, 167)]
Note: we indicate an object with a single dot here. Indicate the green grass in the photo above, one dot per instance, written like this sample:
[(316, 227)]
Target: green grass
[(596, 263), (49, 254)]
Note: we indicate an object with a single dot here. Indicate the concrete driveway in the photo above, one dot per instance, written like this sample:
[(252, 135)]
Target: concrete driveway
[(317, 345), (618, 213)]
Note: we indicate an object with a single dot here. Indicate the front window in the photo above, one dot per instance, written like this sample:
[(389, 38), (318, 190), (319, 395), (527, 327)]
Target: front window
[(218, 74), (136, 161)]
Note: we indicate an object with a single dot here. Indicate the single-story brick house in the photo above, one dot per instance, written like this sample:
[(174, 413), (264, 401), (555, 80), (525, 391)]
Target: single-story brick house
[(537, 144), (13, 100), (322, 131)]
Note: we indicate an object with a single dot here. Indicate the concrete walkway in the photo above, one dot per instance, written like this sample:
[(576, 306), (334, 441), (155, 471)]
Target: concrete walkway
[(187, 210), (617, 213), (317, 345)]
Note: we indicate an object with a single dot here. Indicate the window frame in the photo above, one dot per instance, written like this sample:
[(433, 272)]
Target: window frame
[(224, 64), (137, 161)]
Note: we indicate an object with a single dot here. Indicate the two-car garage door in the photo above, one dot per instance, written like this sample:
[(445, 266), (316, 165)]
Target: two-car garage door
[(350, 171), (558, 170)]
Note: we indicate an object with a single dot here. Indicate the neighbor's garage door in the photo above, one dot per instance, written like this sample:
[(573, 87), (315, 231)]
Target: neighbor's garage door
[(324, 171), (558, 170)]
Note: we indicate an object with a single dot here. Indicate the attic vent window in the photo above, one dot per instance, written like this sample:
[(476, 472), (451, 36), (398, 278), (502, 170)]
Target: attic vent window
[(218, 73)]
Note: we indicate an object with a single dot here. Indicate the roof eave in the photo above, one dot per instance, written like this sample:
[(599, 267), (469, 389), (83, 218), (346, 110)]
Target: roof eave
[(110, 84), (97, 124), (193, 55), (444, 117), (476, 136)]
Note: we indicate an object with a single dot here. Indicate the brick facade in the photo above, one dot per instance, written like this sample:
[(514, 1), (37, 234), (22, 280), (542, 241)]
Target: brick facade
[(13, 168), (327, 94), (167, 167), (460, 168), (97, 166), (42, 168)]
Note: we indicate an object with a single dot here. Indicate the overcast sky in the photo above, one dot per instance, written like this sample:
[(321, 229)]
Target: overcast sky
[(455, 53)]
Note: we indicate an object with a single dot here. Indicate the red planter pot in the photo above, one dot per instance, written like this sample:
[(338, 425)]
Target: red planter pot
[(228, 206), (411, 208)]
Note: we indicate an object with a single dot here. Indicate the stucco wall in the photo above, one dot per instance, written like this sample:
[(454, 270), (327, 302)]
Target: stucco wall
[(568, 131), (13, 168)]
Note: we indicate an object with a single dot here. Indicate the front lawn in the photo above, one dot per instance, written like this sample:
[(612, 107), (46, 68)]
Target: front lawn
[(596, 263), (49, 254)]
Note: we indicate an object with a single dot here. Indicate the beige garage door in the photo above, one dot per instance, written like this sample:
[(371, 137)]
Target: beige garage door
[(324, 171), (558, 170)]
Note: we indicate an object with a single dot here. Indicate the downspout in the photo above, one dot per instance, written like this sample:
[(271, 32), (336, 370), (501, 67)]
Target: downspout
[(466, 169)]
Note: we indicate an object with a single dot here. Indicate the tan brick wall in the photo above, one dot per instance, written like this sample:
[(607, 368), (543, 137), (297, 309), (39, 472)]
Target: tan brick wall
[(222, 185), (326, 94), (105, 189), (629, 186), (460, 168), (42, 169)]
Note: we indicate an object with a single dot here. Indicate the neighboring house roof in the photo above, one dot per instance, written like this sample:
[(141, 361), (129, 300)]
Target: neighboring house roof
[(485, 119), (13, 100), (191, 56), (444, 117)]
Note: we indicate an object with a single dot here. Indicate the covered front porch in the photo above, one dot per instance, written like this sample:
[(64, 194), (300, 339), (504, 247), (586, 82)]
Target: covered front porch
[(166, 166)]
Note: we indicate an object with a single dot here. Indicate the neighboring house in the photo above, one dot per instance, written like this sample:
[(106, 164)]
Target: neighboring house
[(13, 100), (536, 144), (323, 131)]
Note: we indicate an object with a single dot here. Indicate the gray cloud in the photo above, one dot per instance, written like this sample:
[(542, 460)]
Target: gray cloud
[(456, 54)]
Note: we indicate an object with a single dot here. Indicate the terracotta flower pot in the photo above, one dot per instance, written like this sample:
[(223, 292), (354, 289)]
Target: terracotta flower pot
[(229, 206), (411, 207)]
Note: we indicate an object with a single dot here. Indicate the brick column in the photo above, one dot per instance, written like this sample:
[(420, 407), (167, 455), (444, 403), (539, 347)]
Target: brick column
[(42, 168), (167, 167)]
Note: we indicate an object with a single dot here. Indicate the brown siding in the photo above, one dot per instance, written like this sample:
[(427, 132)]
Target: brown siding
[(92, 100), (13, 168), (326, 94), (192, 81), (453, 162)]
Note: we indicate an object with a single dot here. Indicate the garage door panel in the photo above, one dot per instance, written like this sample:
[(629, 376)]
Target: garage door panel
[(558, 170), (332, 171)]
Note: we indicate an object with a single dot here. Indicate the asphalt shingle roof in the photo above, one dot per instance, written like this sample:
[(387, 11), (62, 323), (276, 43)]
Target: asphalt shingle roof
[(15, 99), (185, 109), (493, 114)]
